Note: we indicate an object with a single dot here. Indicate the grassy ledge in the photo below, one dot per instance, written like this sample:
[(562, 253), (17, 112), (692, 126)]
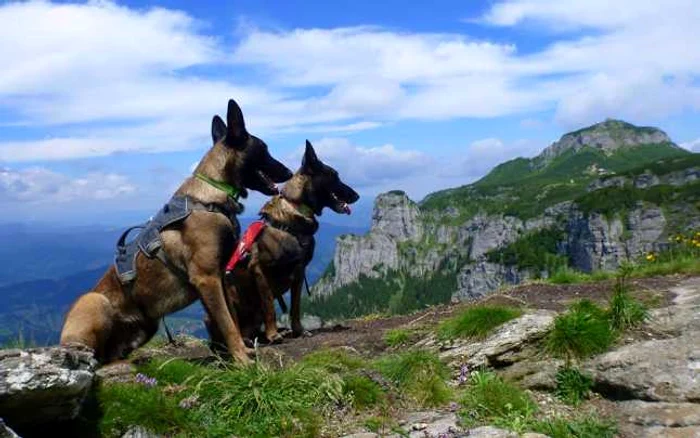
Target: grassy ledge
[(476, 322)]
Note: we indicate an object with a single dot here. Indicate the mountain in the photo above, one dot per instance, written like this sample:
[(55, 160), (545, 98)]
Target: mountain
[(36, 307), (597, 197)]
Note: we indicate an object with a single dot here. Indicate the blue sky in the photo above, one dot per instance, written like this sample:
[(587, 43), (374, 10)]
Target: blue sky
[(106, 106)]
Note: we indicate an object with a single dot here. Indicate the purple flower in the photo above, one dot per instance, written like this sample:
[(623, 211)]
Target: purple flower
[(463, 374), (145, 380)]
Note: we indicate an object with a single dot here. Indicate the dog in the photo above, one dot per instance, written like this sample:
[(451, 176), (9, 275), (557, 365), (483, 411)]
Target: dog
[(285, 246), (116, 318)]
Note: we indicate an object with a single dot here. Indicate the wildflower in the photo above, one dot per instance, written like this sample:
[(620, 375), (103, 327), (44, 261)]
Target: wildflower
[(463, 374), (651, 257), (145, 380)]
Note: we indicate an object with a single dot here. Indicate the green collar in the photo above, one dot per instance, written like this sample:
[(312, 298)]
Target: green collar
[(230, 190)]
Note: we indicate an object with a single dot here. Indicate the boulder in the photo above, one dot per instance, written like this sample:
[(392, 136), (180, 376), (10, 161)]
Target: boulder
[(510, 343), (44, 384), (660, 370), (656, 420), (490, 432)]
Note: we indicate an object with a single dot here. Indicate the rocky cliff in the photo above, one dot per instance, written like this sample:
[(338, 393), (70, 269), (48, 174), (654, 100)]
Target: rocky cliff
[(527, 219)]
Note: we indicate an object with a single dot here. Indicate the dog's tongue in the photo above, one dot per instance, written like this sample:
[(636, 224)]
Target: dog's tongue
[(346, 209)]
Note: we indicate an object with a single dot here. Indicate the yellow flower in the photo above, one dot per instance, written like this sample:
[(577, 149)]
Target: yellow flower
[(651, 257)]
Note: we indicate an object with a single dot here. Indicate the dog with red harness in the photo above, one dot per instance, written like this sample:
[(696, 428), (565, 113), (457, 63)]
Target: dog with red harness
[(272, 256)]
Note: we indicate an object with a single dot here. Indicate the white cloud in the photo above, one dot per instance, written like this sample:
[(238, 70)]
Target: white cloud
[(40, 185), (87, 66), (693, 145), (367, 167)]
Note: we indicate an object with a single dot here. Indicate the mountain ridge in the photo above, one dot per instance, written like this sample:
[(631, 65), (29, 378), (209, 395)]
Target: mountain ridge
[(586, 209)]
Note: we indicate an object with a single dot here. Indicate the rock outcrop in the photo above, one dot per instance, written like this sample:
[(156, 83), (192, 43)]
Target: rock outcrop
[(44, 384), (607, 136)]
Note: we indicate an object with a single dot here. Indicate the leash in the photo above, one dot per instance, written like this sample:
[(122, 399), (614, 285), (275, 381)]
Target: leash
[(306, 282), (167, 332)]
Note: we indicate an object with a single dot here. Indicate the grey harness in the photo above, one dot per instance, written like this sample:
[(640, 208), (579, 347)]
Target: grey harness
[(148, 240)]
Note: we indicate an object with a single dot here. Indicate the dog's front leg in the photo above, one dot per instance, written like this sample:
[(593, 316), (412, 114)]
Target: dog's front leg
[(211, 292), (268, 305), (295, 313)]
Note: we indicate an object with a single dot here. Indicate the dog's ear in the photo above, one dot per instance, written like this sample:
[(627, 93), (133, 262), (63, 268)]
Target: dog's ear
[(236, 135), (310, 162), (218, 129)]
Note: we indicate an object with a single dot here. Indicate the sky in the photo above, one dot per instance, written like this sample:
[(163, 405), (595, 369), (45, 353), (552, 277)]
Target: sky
[(105, 107)]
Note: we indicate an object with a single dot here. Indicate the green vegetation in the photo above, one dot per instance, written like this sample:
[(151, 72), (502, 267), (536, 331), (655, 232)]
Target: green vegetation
[(573, 386), (476, 322), (538, 251), (610, 201), (490, 399), (583, 427), (526, 187), (581, 332), (363, 391), (397, 337), (334, 360), (624, 311), (665, 166), (394, 293), (419, 374), (568, 275)]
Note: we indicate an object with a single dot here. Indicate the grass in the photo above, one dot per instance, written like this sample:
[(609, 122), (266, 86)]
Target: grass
[(420, 375), (336, 360), (363, 392), (625, 312), (397, 337), (581, 332), (586, 426), (476, 322), (490, 399), (573, 387), (254, 401)]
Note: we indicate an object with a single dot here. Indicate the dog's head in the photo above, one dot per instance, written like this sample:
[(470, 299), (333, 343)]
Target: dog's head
[(246, 160), (318, 185)]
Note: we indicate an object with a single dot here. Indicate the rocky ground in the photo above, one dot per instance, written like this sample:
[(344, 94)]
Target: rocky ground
[(649, 382)]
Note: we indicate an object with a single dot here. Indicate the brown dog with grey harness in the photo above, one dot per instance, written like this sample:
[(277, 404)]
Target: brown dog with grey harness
[(184, 258)]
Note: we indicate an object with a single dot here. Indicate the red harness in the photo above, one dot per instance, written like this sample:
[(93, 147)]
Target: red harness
[(244, 245)]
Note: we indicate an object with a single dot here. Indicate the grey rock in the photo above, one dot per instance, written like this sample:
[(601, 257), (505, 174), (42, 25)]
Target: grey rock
[(607, 136), (480, 278), (662, 414), (139, 432), (507, 345), (44, 384), (431, 424), (534, 374), (661, 370), (6, 432), (362, 435), (490, 432)]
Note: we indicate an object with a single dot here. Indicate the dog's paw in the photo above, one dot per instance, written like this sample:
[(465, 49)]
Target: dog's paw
[(277, 338), (301, 334)]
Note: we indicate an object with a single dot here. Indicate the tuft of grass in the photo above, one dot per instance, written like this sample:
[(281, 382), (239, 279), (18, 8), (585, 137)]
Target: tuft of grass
[(490, 399), (335, 360), (397, 337), (363, 392), (573, 386), (624, 311), (581, 332), (126, 405), (419, 375), (583, 427), (476, 322)]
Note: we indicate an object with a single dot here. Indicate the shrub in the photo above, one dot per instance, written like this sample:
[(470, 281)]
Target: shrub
[(489, 398), (582, 427), (334, 360), (476, 322), (418, 374), (396, 337), (362, 391), (580, 332), (624, 311), (573, 386)]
